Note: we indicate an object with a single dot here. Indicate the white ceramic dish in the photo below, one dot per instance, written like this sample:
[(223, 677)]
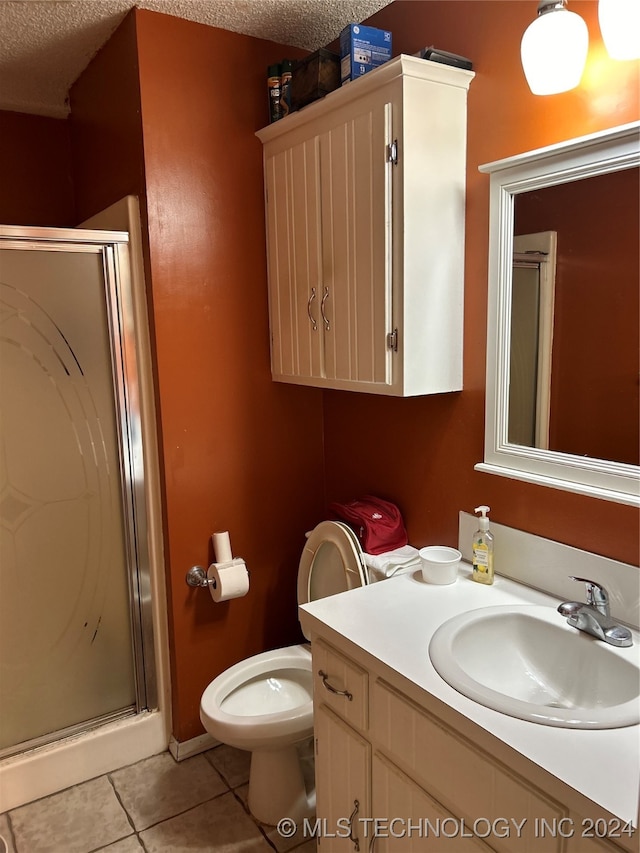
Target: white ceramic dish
[(439, 564)]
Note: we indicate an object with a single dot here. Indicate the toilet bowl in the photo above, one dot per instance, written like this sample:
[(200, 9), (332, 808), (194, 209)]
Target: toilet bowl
[(264, 704)]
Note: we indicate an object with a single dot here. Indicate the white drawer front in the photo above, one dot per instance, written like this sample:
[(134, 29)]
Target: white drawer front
[(340, 684)]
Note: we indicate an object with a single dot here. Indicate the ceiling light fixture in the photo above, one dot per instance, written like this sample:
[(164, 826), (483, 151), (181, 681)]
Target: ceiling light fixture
[(620, 27), (554, 49)]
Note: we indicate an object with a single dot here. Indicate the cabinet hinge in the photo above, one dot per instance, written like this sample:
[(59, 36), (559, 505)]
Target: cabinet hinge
[(392, 340), (392, 152)]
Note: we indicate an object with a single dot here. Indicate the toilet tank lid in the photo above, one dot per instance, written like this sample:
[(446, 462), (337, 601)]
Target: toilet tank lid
[(332, 561)]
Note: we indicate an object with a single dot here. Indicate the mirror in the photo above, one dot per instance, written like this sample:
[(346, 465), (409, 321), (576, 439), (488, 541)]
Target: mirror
[(563, 339)]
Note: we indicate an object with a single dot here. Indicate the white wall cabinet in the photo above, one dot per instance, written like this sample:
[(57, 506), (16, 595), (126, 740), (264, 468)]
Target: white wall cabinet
[(365, 197), (389, 767)]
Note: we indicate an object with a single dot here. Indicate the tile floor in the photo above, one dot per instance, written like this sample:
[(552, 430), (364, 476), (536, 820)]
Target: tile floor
[(155, 806)]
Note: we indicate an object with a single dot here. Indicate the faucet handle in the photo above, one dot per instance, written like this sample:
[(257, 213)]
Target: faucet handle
[(597, 595)]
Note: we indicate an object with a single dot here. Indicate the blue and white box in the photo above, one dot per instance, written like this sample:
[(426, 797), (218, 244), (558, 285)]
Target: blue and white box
[(362, 49)]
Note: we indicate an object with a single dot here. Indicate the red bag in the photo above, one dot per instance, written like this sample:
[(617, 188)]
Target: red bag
[(377, 523)]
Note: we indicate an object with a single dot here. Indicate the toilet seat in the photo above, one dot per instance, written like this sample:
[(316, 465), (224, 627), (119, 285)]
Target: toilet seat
[(291, 722), (332, 561)]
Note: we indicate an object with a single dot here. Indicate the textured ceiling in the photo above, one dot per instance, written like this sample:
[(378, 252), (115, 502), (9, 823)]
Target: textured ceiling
[(46, 44)]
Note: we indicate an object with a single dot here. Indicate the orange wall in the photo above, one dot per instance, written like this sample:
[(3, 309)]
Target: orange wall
[(240, 453), (35, 173), (421, 452), (106, 130)]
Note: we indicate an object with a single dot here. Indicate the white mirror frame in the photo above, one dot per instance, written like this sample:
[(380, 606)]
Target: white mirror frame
[(596, 154)]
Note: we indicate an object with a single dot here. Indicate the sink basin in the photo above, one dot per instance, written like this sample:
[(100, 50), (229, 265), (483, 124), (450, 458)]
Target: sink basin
[(525, 661)]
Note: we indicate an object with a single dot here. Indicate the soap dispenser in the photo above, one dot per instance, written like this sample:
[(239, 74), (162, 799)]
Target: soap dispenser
[(483, 549)]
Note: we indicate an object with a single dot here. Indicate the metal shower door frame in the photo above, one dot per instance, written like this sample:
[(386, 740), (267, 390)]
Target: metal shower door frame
[(116, 262)]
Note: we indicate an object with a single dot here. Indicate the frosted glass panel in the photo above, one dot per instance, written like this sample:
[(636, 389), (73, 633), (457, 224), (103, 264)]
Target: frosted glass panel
[(65, 629)]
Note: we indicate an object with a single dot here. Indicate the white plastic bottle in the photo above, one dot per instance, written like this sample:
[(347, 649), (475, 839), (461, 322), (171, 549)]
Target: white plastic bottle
[(483, 549)]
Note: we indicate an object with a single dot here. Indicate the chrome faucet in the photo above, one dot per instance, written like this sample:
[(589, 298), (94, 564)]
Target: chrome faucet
[(593, 616)]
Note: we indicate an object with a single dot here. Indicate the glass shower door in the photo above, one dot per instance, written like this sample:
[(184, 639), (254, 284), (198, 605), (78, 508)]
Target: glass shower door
[(68, 629)]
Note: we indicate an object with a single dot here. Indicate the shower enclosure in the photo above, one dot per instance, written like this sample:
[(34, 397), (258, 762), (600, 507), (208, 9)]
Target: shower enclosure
[(76, 634)]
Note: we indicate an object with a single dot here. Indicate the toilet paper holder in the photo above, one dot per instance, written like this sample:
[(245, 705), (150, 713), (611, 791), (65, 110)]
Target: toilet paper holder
[(197, 576)]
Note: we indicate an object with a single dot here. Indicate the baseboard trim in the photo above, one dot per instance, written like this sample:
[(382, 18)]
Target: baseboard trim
[(187, 748)]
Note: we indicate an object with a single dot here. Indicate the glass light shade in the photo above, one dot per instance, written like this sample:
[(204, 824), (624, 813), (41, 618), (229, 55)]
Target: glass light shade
[(554, 51), (620, 27)]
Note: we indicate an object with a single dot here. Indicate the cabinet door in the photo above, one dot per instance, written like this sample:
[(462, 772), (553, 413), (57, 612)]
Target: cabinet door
[(463, 777), (408, 819), (292, 178), (343, 767), (356, 246)]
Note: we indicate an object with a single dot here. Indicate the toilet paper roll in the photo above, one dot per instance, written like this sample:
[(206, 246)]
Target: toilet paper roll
[(231, 580), (222, 546)]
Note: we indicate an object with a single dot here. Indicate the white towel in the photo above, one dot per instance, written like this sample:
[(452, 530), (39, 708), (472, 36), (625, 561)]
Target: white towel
[(395, 562)]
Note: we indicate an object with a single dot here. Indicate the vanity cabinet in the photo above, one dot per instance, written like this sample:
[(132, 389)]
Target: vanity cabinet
[(357, 781), (388, 766), (365, 198)]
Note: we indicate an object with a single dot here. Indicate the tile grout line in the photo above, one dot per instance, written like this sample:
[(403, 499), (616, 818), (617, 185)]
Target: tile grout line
[(185, 811), (128, 816), (233, 789), (122, 805), (258, 825)]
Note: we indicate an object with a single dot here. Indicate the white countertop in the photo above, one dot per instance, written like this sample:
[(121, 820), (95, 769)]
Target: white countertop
[(394, 620)]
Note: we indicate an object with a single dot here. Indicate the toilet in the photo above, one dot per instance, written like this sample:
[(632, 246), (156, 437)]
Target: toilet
[(264, 704)]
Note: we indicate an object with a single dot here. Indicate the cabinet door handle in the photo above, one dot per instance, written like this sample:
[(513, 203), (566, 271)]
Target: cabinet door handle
[(314, 325), (323, 675), (325, 319), (356, 841)]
